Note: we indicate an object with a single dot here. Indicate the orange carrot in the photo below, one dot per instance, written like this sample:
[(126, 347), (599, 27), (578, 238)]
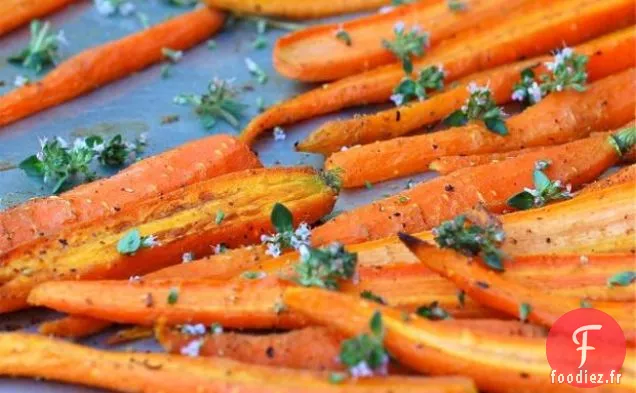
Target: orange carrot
[(314, 54), (527, 34), (559, 118), (566, 227), (429, 204), (500, 292), (15, 13), (185, 165), (626, 175), (450, 164), (608, 54), (98, 66), (24, 355), (498, 363), (233, 209), (311, 348), (290, 9), (255, 304)]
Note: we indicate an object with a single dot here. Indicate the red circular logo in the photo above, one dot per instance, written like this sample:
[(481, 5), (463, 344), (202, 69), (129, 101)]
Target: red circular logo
[(586, 348)]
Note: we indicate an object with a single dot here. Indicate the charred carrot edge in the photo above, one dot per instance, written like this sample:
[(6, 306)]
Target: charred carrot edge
[(315, 54), (255, 304), (24, 355), (605, 105), (608, 54), (310, 348), (528, 35), (502, 293), (15, 13), (98, 66), (430, 203), (498, 363), (174, 169), (308, 9), (221, 210), (130, 334)]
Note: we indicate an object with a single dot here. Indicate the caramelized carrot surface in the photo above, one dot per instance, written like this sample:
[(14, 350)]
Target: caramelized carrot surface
[(177, 168), (291, 9), (607, 55), (526, 33), (100, 65)]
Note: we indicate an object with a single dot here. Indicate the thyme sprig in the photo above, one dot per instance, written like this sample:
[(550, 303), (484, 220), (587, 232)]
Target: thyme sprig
[(430, 78), (219, 103), (545, 190), (479, 106), (365, 354), (43, 48), (407, 44)]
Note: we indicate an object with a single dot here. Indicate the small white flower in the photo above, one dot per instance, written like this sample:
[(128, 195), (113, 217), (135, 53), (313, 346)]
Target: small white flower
[(134, 278), (149, 241), (361, 370), (193, 348), (143, 138), (472, 87), (399, 27), (398, 99), (21, 80), (79, 144), (217, 329), (566, 53), (273, 249), (304, 252), (126, 8), (105, 7), (584, 259), (279, 134), (218, 249), (61, 38), (62, 142), (99, 148), (535, 92), (193, 330), (303, 232), (440, 68), (43, 141), (344, 148), (187, 257), (519, 95)]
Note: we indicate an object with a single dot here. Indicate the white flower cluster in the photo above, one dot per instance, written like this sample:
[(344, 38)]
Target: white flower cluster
[(559, 59), (299, 238), (193, 330), (279, 134), (193, 348), (112, 7)]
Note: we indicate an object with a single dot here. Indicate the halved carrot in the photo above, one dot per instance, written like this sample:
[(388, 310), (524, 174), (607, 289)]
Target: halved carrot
[(314, 54), (529, 34), (98, 66), (311, 348), (430, 203), (24, 355), (290, 9), (559, 118), (498, 363), (567, 227), (607, 55), (233, 209), (626, 175), (255, 304), (503, 293), (15, 13), (177, 168)]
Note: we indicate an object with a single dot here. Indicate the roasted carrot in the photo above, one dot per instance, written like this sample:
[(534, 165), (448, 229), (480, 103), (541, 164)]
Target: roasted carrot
[(130, 334), (311, 348), (626, 175), (290, 9), (527, 34), (430, 203), (608, 54), (24, 355), (314, 54), (98, 66), (185, 165), (497, 363), (15, 13), (233, 209), (566, 228), (559, 118), (500, 292), (450, 164), (255, 304)]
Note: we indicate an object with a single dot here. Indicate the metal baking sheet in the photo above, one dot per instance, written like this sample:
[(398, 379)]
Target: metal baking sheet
[(137, 104)]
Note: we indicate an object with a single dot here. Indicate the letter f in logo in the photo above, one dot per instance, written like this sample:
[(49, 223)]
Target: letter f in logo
[(583, 344)]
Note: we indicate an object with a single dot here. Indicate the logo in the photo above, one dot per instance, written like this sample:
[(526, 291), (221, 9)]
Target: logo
[(586, 348)]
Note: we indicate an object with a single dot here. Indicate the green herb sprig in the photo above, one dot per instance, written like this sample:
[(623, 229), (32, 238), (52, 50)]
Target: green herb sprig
[(256, 71), (365, 354), (433, 312), (407, 44), (471, 239), (132, 242), (430, 78), (456, 5), (218, 103), (545, 190), (43, 48), (622, 279), (479, 106), (342, 35), (286, 236), (325, 266)]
